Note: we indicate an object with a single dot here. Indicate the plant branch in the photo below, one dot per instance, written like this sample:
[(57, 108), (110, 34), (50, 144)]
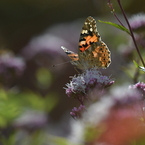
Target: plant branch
[(131, 32), (113, 12)]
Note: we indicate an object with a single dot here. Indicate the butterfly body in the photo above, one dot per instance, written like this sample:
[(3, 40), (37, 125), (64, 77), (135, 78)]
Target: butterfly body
[(93, 52)]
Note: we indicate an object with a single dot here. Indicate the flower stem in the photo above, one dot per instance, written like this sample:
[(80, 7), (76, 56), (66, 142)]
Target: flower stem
[(131, 32), (113, 12), (118, 19)]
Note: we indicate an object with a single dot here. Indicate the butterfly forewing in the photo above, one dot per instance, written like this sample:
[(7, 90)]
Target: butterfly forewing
[(91, 48), (89, 34), (73, 56)]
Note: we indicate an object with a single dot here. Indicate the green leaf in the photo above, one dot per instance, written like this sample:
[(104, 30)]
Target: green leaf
[(135, 63), (33, 100), (140, 67), (116, 25)]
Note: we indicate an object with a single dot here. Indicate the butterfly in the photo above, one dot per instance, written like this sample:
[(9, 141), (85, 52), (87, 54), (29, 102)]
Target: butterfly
[(92, 51)]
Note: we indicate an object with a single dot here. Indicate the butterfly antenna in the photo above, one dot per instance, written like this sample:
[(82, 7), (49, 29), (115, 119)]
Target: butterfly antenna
[(54, 65)]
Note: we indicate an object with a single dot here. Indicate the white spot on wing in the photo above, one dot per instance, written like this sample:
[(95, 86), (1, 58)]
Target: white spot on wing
[(91, 29), (84, 31)]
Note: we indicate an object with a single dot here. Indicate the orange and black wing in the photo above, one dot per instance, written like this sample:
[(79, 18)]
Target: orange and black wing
[(91, 47), (73, 56)]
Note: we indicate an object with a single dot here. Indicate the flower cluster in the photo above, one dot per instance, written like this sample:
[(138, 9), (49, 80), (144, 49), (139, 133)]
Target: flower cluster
[(80, 86), (140, 86)]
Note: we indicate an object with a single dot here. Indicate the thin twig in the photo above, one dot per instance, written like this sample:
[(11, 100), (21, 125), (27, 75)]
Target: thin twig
[(131, 32), (113, 11)]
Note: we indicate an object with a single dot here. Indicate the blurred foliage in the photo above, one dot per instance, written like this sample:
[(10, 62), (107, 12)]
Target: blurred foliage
[(12, 104), (44, 80)]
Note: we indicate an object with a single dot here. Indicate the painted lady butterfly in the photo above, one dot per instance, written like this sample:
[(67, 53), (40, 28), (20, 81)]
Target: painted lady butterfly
[(93, 52)]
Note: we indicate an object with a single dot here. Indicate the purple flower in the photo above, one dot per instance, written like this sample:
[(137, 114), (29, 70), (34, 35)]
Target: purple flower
[(137, 21), (31, 120), (47, 45), (127, 97), (77, 112), (89, 80), (8, 61), (137, 24), (140, 86), (11, 68)]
